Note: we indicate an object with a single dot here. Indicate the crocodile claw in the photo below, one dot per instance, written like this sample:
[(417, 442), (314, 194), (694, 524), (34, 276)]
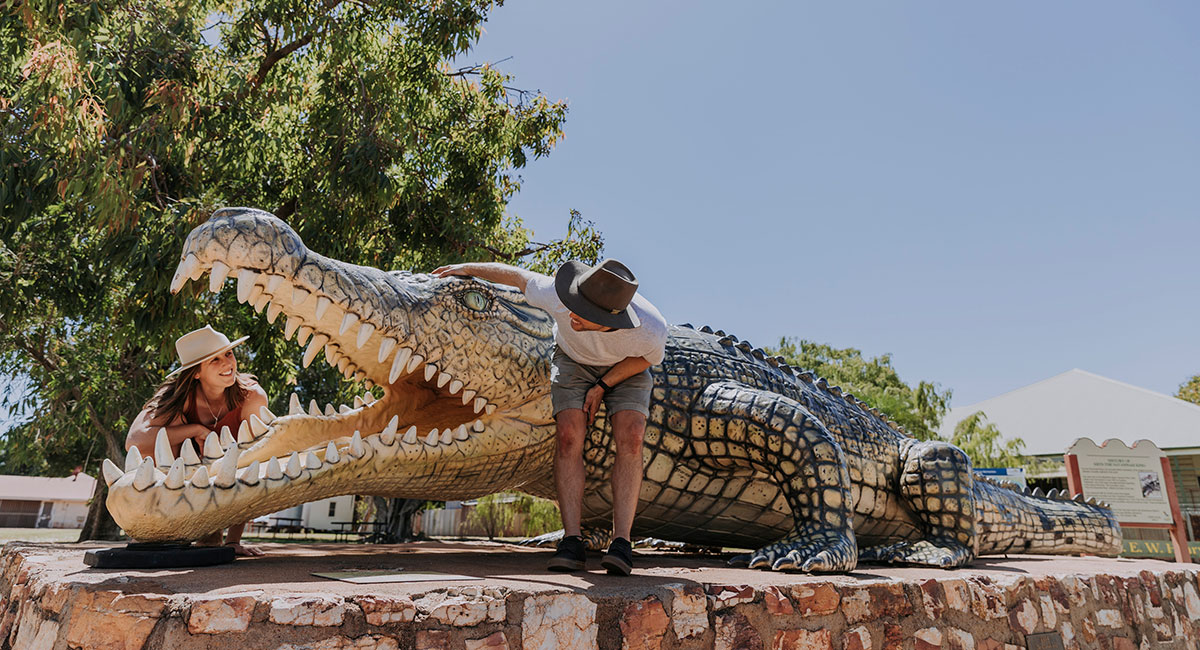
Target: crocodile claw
[(820, 552)]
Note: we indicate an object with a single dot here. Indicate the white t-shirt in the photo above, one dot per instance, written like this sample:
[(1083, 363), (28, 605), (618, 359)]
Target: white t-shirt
[(649, 339)]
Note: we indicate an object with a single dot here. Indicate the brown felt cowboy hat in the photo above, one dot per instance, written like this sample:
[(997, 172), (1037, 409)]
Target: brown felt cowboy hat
[(198, 346), (600, 294)]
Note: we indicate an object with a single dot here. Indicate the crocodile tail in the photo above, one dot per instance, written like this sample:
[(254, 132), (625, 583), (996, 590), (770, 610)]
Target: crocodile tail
[(1011, 520)]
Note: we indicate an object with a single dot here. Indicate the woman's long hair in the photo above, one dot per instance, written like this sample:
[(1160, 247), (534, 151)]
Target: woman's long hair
[(171, 397)]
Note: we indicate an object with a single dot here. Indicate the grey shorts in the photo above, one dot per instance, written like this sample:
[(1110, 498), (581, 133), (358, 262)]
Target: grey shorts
[(570, 382)]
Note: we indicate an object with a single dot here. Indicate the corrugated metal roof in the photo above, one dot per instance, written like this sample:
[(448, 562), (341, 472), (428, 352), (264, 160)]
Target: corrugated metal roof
[(45, 488), (1050, 414)]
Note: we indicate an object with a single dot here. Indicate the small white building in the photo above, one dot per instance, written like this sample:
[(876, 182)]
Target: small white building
[(45, 502), (317, 515)]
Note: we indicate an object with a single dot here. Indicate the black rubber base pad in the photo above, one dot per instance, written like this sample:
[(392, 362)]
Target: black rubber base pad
[(158, 556)]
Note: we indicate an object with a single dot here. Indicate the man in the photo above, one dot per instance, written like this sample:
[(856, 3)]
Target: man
[(607, 337)]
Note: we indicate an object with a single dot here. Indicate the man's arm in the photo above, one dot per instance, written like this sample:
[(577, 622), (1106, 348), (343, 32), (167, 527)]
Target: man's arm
[(624, 369), (490, 271)]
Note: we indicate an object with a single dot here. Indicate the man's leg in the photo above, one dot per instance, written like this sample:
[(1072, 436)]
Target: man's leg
[(628, 429), (568, 467)]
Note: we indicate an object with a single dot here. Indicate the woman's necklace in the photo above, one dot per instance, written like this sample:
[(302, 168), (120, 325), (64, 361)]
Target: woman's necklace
[(208, 406)]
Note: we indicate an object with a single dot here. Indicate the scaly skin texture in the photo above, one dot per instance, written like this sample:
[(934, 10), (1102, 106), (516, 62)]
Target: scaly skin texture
[(740, 450)]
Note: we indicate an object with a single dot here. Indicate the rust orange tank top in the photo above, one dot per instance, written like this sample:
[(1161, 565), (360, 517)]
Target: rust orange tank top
[(232, 419)]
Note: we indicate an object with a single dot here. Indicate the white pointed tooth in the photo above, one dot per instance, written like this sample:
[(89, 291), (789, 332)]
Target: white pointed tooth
[(299, 296), (443, 378), (461, 432), (356, 445), (144, 477), (226, 436), (200, 478), (289, 327), (392, 425), (273, 312), (220, 271), (430, 371), (133, 459), (490, 409), (385, 348), (331, 455), (174, 478), (410, 436), (314, 346), (367, 383), (343, 409), (184, 272), (266, 415), (294, 407), (455, 386), (415, 361), (447, 436), (226, 469), (162, 449), (212, 446), (432, 438), (273, 282), (323, 303), (311, 461), (368, 397), (479, 404), (329, 412), (274, 471), (245, 436), (260, 301), (398, 364), (187, 451), (477, 425), (245, 283), (249, 475), (257, 426), (293, 468), (302, 334), (467, 396), (332, 354), (343, 365), (364, 333), (349, 373), (358, 402), (388, 435), (313, 409), (112, 473), (348, 321)]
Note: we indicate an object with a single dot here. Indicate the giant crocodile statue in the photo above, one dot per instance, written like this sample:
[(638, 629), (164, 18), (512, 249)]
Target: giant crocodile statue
[(740, 449)]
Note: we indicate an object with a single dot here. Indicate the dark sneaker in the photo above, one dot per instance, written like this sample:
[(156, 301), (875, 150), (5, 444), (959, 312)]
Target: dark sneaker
[(570, 556), (619, 558)]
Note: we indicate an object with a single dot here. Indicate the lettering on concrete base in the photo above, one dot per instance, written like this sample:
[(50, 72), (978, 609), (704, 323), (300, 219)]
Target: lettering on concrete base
[(1044, 641)]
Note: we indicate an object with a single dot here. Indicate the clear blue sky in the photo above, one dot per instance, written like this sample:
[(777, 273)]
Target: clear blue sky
[(992, 192)]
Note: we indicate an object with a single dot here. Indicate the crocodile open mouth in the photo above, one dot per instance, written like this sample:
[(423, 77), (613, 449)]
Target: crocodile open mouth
[(426, 404)]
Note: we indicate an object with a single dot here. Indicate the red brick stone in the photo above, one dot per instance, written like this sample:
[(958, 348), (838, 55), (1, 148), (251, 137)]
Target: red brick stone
[(857, 639), (433, 640), (496, 641), (1088, 630), (221, 613), (777, 603), (724, 596), (1121, 643), (893, 637), (815, 600), (933, 598), (802, 640), (889, 600), (1023, 618), (957, 639), (988, 644), (643, 625), (734, 632), (929, 638)]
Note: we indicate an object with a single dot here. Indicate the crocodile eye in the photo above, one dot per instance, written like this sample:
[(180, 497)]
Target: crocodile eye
[(475, 300)]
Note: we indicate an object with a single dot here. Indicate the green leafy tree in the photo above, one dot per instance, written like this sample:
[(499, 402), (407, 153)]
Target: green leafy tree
[(987, 447), (1189, 391), (125, 124), (919, 409)]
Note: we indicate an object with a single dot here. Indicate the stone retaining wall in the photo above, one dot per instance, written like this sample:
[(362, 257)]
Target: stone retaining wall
[(960, 611)]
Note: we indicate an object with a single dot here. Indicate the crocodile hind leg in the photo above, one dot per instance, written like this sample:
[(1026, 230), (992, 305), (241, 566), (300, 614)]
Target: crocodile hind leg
[(739, 427), (936, 482)]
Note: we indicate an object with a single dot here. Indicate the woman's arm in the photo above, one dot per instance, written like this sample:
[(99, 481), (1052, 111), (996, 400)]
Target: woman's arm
[(256, 399), (144, 431)]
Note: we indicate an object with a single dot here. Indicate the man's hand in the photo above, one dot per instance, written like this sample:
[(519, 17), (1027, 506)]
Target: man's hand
[(453, 269), (591, 402)]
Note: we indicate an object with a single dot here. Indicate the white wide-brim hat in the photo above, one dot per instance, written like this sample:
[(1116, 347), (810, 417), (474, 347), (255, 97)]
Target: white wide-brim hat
[(198, 346)]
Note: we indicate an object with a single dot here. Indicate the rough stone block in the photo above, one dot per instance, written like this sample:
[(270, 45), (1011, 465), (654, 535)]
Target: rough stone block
[(380, 610), (933, 599), (108, 630), (802, 640), (734, 632), (433, 640), (1109, 618), (316, 610), (857, 639), (987, 599), (1023, 618), (643, 625), (927, 638), (365, 642), (554, 621), (222, 613), (958, 594), (689, 610), (1046, 606), (776, 601), (815, 600), (957, 639), (494, 641), (725, 596), (856, 605)]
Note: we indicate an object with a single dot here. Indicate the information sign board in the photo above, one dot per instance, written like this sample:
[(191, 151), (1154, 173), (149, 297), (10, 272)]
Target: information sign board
[(1130, 479)]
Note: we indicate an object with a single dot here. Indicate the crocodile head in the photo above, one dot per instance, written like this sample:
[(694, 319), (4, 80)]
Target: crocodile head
[(457, 372)]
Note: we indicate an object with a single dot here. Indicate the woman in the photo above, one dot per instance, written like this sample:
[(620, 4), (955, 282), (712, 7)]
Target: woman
[(205, 393)]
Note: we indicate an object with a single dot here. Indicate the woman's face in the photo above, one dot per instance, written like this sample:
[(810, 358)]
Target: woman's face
[(219, 371)]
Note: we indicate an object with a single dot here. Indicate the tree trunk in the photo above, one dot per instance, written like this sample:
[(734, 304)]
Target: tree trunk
[(99, 524), (398, 515)]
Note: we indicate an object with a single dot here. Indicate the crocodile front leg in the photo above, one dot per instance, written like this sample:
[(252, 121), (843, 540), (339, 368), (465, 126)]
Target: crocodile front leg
[(738, 427)]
